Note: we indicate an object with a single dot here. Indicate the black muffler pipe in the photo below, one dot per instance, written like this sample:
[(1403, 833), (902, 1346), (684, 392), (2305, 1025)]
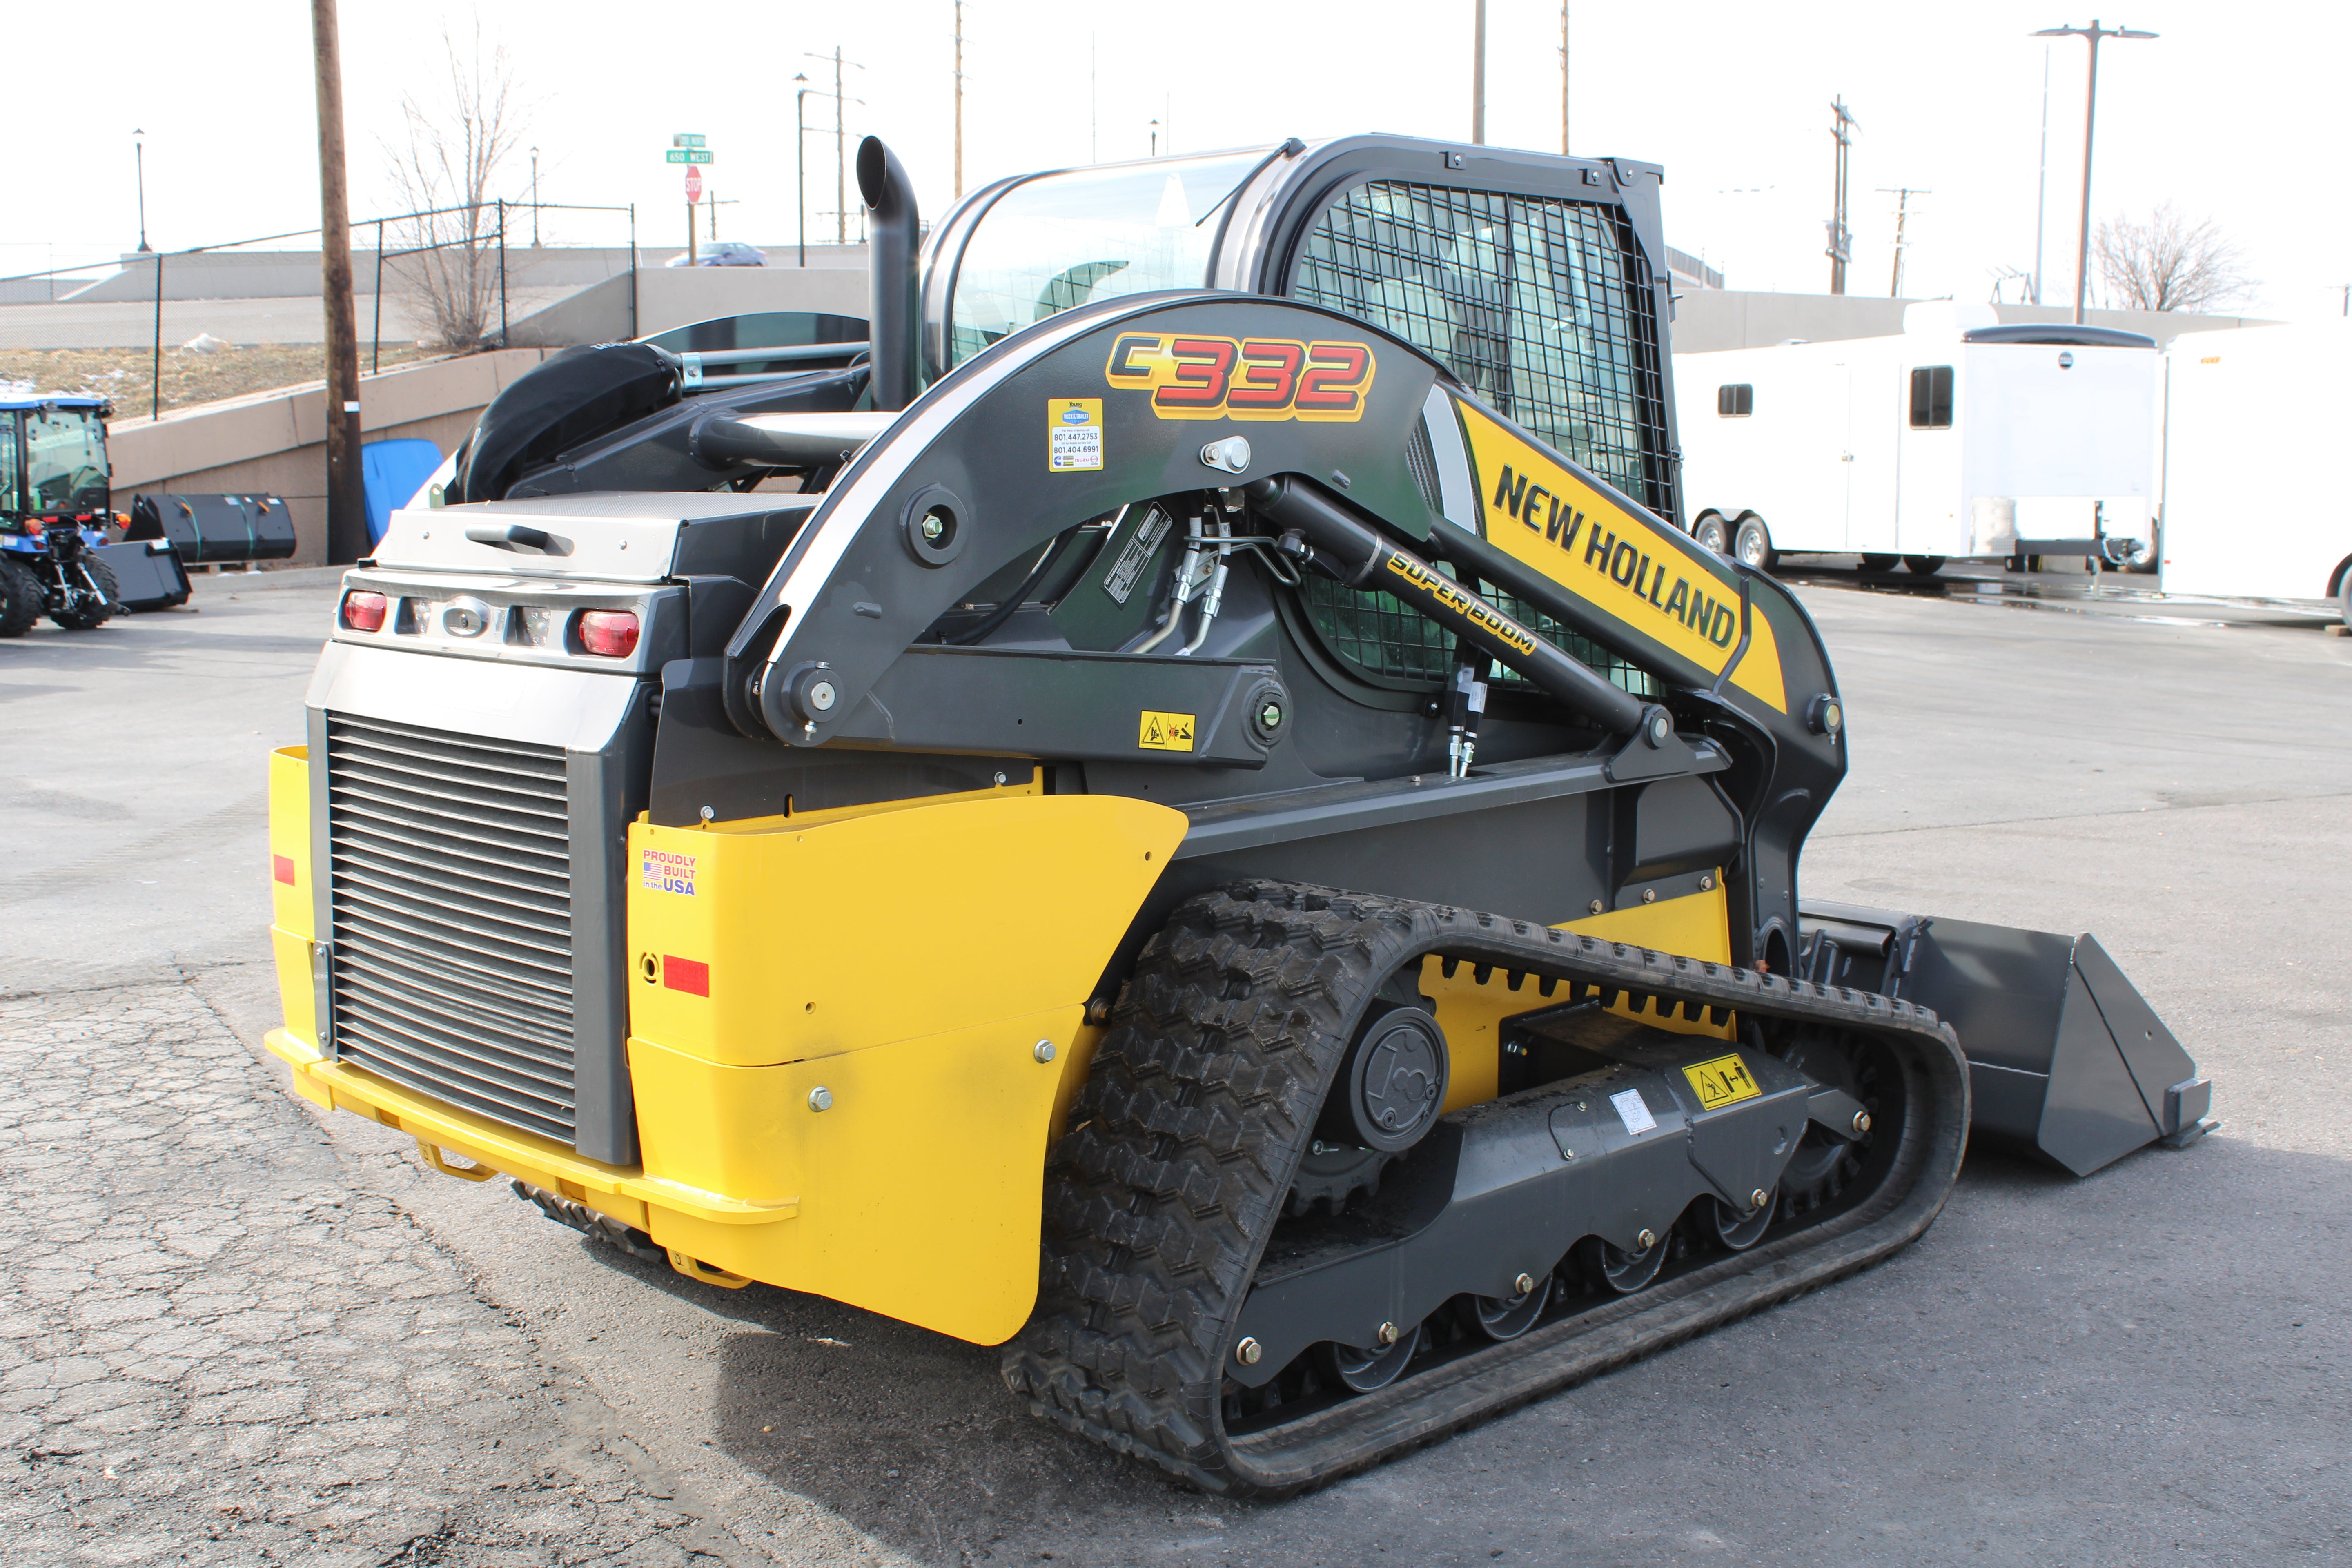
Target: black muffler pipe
[(894, 235), (1352, 550)]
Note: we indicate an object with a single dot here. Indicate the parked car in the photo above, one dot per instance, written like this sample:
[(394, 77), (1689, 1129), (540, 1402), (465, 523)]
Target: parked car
[(723, 253)]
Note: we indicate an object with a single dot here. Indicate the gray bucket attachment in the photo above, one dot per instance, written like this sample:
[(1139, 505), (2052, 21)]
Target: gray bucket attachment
[(2063, 1052)]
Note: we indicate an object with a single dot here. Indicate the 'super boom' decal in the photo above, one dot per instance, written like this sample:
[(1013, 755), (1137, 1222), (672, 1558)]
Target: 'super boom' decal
[(1648, 576), (1193, 376)]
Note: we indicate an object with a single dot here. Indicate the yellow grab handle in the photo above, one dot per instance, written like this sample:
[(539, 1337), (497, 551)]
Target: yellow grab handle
[(440, 1161), (695, 1268)]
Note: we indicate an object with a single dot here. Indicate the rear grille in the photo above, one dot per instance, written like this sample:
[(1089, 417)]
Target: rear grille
[(451, 870)]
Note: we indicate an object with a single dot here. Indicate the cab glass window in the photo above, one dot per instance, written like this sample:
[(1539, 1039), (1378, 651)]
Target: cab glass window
[(1931, 397), (1064, 240), (65, 459)]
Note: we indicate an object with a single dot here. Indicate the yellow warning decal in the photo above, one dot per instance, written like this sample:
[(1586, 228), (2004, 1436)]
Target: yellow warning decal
[(1164, 732), (1646, 575), (1726, 1080)]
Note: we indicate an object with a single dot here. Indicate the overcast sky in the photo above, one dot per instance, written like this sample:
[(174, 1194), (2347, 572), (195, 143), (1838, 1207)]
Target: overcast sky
[(2232, 114)]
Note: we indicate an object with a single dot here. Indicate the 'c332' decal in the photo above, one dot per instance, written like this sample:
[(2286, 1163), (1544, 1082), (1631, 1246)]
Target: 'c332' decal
[(1192, 376), (1638, 572)]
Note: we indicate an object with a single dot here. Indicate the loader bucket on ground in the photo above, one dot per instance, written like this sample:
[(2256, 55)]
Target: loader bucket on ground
[(2063, 1052)]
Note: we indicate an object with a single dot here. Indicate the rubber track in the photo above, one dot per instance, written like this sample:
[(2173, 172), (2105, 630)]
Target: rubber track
[(1201, 1097)]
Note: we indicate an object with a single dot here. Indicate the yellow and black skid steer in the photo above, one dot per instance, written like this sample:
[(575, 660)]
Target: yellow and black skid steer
[(1221, 837)]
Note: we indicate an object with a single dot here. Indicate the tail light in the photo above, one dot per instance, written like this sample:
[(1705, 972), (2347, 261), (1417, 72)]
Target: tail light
[(612, 634), (364, 611)]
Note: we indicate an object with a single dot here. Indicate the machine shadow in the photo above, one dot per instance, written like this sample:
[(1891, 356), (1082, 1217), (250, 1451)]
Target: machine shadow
[(908, 1435), (913, 1437)]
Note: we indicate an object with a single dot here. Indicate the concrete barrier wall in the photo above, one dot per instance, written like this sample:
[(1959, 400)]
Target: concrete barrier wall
[(294, 274), (1707, 319), (276, 443), (673, 296)]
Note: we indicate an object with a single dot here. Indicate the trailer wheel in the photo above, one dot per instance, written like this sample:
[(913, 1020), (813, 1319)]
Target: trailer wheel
[(20, 600), (1923, 565), (1879, 562), (1753, 543), (2344, 600), (1712, 532)]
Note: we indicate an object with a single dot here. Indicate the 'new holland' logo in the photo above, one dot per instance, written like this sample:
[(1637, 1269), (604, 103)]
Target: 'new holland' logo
[(1623, 561)]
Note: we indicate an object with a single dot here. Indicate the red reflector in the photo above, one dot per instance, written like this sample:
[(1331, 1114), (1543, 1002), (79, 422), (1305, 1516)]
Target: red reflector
[(364, 611), (282, 867), (610, 633), (686, 975)]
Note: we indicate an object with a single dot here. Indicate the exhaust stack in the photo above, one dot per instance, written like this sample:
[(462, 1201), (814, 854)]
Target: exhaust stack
[(894, 308)]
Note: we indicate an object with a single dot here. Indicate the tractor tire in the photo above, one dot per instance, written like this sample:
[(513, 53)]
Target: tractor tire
[(1713, 533), (2343, 599), (20, 600), (1879, 562), (1923, 565), (109, 592), (1751, 543)]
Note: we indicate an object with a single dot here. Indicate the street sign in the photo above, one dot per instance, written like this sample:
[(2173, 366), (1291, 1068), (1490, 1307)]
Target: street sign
[(686, 155), (694, 184), (688, 139)]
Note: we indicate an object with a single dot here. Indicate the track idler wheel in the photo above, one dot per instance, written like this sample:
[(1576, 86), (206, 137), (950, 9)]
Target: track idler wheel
[(1739, 1229), (1500, 1317), (1361, 1370), (1624, 1272)]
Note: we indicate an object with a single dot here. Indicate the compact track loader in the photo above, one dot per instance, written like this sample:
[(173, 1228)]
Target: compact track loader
[(1225, 775)]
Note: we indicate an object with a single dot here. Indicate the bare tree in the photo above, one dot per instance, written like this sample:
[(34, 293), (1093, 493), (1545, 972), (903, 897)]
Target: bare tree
[(2167, 263), (452, 155)]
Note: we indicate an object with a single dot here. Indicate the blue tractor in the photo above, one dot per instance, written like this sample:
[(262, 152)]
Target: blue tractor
[(56, 505)]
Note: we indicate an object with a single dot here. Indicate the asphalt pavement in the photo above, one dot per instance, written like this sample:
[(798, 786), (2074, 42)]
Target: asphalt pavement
[(236, 1329)]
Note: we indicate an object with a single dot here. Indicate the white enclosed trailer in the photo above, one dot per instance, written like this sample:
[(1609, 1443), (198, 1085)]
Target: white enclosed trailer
[(2254, 424), (1957, 437)]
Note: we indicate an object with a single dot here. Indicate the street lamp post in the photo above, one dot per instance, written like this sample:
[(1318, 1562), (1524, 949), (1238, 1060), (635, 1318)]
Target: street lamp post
[(799, 160), (2090, 120), (139, 153)]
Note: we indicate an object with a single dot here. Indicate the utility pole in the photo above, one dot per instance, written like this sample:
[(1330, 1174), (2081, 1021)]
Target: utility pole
[(139, 153), (346, 488), (1563, 78), (840, 158), (2042, 178), (2089, 123), (1478, 72), (534, 198), (840, 144), (958, 100), (1902, 195), (1841, 249)]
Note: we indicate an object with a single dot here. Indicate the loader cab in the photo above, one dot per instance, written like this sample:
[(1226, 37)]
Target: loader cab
[(53, 461), (1539, 281)]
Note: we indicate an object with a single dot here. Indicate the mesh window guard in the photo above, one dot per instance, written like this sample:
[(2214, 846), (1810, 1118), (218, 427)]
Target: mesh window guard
[(1541, 306)]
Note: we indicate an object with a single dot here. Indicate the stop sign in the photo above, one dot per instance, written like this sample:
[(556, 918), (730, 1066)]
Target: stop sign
[(693, 184)]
